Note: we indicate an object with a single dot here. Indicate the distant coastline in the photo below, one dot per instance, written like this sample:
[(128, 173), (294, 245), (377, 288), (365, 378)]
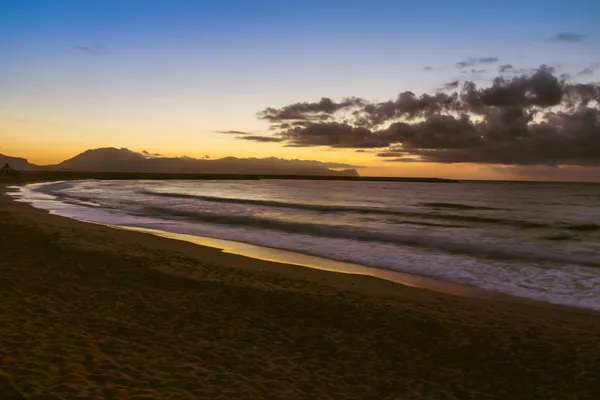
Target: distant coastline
[(41, 176)]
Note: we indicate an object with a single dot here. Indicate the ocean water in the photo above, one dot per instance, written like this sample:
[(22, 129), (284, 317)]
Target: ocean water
[(534, 240)]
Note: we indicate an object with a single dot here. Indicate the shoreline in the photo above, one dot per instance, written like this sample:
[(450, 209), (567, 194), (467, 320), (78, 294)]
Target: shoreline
[(294, 259), (112, 313), (284, 262), (300, 260)]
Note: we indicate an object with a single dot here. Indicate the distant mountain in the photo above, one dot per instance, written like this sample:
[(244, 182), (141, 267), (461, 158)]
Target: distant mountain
[(125, 160), (20, 164)]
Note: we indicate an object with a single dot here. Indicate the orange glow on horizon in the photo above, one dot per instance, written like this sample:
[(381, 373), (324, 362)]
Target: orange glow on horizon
[(47, 155), (48, 143)]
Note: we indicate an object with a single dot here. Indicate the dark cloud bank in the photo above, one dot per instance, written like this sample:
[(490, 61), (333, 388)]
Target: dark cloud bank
[(531, 119)]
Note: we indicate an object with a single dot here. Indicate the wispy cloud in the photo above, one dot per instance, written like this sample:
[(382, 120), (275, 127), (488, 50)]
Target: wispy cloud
[(451, 85), (506, 68), (392, 153), (148, 154), (589, 71), (511, 69), (403, 160), (568, 37), (472, 61), (584, 72), (233, 132), (90, 48), (261, 139)]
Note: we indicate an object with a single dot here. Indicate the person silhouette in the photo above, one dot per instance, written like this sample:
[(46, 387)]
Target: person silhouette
[(7, 170)]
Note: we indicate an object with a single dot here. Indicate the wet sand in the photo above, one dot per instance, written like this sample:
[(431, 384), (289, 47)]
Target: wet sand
[(304, 260), (92, 312)]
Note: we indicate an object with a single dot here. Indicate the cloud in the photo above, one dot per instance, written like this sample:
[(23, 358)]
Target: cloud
[(568, 37), (506, 68), (428, 68), (564, 76), (151, 155), (312, 111), (472, 61), (90, 48), (511, 69), (261, 139), (488, 60), (584, 72), (588, 71), (233, 132), (529, 119), (391, 154), (451, 85), (402, 160)]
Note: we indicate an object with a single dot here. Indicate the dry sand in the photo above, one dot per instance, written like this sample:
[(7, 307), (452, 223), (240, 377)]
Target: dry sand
[(90, 312)]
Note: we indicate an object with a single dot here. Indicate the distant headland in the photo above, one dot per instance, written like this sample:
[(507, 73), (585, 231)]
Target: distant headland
[(113, 163)]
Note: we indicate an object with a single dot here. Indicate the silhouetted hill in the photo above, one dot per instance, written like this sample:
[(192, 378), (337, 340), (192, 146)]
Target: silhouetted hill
[(20, 164), (125, 160)]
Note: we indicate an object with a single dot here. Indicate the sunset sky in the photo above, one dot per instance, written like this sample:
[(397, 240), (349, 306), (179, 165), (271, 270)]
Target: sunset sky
[(166, 76)]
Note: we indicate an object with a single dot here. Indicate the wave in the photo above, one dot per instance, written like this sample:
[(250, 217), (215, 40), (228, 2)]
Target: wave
[(57, 189), (558, 238), (419, 223), (583, 227), (328, 231), (456, 206), (269, 203), (382, 211)]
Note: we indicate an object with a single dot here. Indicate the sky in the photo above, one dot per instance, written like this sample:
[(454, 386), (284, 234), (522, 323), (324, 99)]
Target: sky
[(171, 76)]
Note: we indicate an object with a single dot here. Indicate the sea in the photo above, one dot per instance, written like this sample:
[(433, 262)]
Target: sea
[(533, 240)]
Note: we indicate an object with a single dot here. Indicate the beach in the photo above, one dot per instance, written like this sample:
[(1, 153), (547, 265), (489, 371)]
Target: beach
[(92, 312)]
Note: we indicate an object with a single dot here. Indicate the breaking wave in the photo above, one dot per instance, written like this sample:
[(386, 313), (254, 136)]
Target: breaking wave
[(384, 211), (347, 232)]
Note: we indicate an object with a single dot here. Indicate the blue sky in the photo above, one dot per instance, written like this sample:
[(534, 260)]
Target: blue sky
[(165, 74)]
